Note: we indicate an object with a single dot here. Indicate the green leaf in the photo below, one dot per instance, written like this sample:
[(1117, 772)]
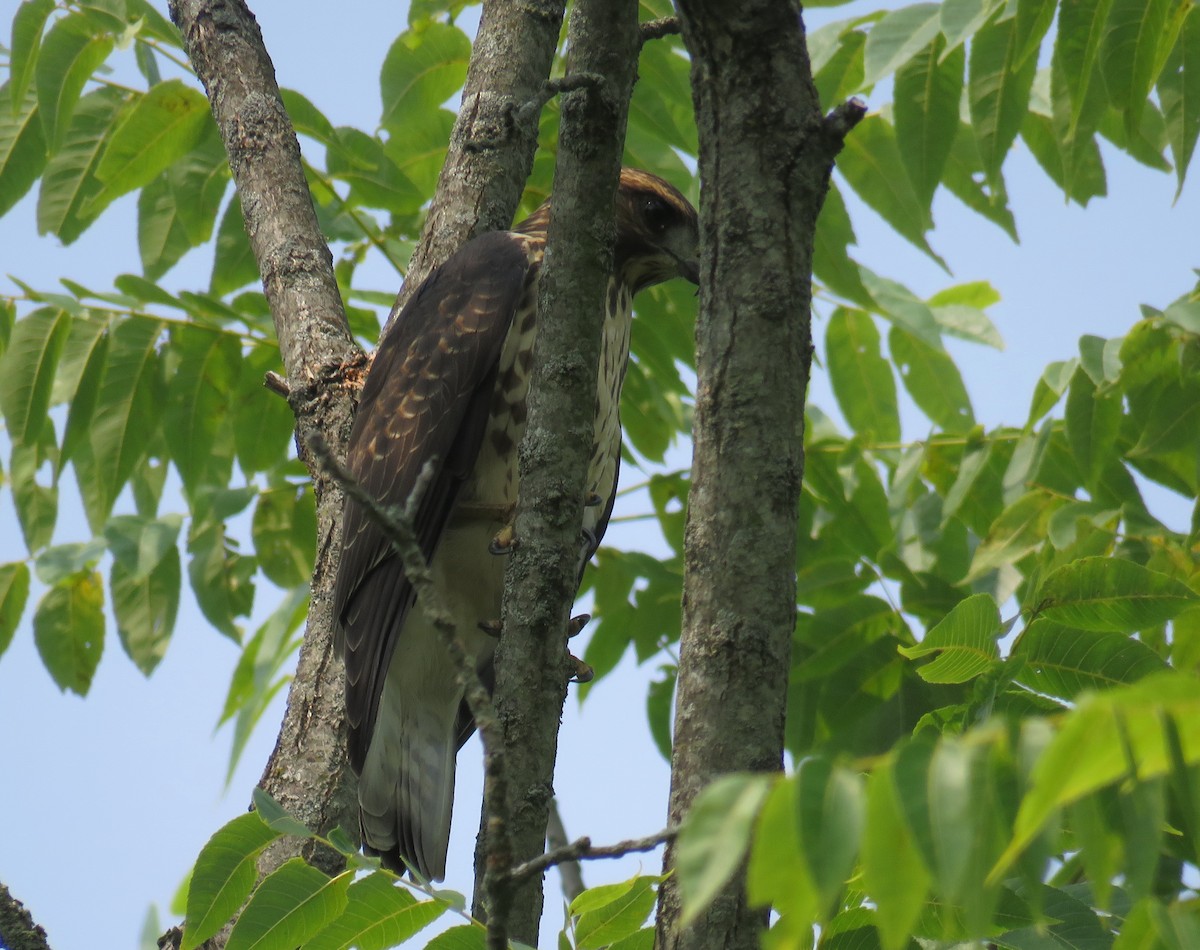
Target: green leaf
[(893, 873), (1130, 57), (28, 23), (140, 544), (898, 37), (14, 592), (933, 381), (276, 816), (220, 577), (234, 265), (422, 70), (36, 504), (61, 562), (72, 50), (964, 178), (27, 371), (284, 532), (868, 163), (177, 210), (1081, 28), (263, 423), (257, 678), (1111, 594), (68, 629), (997, 92), (375, 180), (602, 925), (84, 393), (715, 837), (162, 127), (1099, 742), (1179, 92), (965, 640), (378, 915), (22, 150), (464, 937), (861, 378), (660, 697), (832, 264), (927, 94), (1062, 661), (197, 420), (829, 805), (1093, 423), (223, 876), (69, 183), (145, 609), (1020, 529), (960, 19), (306, 118), (127, 411)]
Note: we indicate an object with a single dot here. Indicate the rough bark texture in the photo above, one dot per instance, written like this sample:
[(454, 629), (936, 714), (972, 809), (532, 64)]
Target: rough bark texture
[(490, 156), (531, 673), (765, 159), (493, 140), (17, 929), (307, 771)]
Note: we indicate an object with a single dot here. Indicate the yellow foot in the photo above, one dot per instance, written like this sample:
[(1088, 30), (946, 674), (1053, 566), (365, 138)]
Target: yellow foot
[(503, 542), (583, 673)]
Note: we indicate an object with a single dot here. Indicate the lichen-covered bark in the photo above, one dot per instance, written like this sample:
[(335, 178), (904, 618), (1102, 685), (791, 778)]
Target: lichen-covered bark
[(493, 140), (531, 670), (307, 771), (765, 158)]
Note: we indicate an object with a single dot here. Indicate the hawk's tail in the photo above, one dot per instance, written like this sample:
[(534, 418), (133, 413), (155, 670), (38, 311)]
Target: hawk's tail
[(406, 789)]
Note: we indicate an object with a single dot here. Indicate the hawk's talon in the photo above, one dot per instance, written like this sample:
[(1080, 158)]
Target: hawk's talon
[(583, 673), (491, 627), (576, 624), (504, 540), (592, 500)]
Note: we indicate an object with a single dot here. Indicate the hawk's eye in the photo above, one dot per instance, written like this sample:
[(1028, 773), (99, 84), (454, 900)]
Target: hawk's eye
[(657, 213)]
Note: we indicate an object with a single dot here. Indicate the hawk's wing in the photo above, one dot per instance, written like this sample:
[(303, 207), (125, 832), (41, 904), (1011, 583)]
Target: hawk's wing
[(427, 396)]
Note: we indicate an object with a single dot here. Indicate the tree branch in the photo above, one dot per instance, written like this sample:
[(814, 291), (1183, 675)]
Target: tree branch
[(657, 29), (491, 154), (581, 849), (308, 770), (766, 154), (542, 578)]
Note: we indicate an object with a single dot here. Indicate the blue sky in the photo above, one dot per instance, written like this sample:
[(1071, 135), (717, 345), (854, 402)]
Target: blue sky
[(106, 800)]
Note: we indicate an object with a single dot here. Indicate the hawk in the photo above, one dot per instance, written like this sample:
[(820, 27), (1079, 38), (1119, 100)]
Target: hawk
[(449, 384)]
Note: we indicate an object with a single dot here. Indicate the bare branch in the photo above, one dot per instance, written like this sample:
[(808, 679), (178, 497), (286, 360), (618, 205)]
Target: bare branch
[(581, 849), (277, 384), (529, 111), (657, 29)]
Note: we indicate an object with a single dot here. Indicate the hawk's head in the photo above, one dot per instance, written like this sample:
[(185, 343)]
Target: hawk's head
[(657, 231)]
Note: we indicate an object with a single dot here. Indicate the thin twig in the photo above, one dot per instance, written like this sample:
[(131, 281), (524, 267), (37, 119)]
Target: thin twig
[(397, 527), (277, 384), (582, 850), (657, 29), (553, 87)]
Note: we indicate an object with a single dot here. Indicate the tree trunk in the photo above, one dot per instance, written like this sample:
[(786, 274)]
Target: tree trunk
[(541, 581), (765, 159)]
